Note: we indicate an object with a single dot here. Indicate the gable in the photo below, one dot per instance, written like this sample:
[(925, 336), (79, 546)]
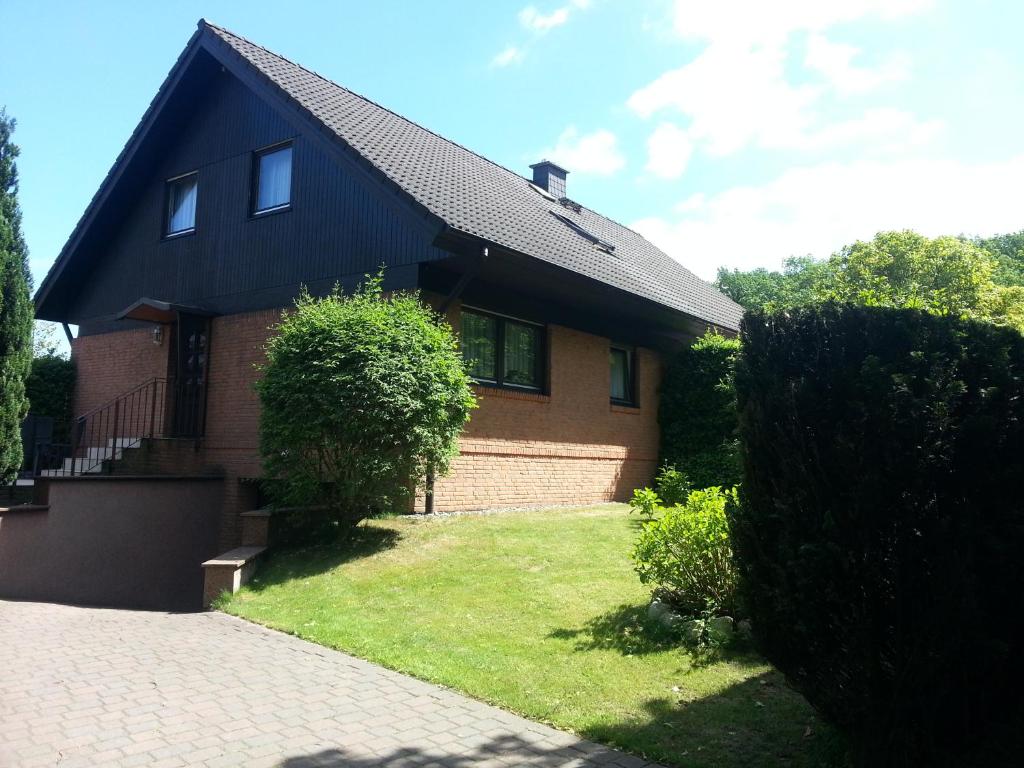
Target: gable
[(336, 231), (439, 190)]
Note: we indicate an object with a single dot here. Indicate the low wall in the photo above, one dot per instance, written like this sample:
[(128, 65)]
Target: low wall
[(127, 542)]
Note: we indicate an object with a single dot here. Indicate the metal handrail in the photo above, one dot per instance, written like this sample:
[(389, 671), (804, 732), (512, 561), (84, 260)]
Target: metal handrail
[(122, 396), (100, 435)]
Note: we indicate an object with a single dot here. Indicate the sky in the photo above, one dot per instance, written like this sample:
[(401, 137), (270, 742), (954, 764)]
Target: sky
[(730, 132)]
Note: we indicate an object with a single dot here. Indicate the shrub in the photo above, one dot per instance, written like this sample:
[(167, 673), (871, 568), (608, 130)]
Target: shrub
[(697, 412), (686, 554), (881, 525), (645, 501), (673, 486), (362, 396)]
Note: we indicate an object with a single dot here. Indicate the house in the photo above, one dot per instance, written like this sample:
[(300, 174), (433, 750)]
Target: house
[(250, 176)]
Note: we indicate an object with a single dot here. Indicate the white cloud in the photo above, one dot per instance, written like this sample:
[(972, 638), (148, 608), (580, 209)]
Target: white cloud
[(510, 55), (739, 92), (668, 151), (596, 152), (820, 208), (533, 19), (879, 130), (753, 22), (733, 96), (835, 62)]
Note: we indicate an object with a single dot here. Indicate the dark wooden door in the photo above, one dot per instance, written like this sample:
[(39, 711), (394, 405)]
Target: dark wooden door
[(192, 355)]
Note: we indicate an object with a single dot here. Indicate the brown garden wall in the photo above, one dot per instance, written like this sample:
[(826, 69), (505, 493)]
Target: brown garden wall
[(112, 541)]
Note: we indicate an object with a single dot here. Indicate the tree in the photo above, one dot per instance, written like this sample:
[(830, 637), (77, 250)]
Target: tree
[(763, 289), (15, 308), (942, 275), (362, 397), (1008, 251)]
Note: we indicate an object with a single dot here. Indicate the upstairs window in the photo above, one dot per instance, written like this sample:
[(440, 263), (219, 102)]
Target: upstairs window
[(181, 205), (503, 351), (622, 389), (272, 182)]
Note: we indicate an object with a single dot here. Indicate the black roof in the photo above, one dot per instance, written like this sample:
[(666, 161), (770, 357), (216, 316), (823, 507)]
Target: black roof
[(473, 195)]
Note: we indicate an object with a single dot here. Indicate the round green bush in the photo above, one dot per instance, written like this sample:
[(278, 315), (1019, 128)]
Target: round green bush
[(362, 397), (687, 556), (881, 523)]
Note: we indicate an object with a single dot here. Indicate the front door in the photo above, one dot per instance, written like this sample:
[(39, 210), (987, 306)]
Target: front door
[(192, 350)]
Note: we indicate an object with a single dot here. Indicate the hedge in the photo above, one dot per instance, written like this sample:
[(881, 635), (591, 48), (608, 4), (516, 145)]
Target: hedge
[(881, 526), (697, 412)]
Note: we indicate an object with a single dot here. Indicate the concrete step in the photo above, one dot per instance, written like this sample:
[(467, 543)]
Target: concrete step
[(124, 442)]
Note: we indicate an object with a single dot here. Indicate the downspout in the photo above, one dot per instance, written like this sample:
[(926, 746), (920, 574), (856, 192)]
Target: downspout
[(456, 292), (67, 332)]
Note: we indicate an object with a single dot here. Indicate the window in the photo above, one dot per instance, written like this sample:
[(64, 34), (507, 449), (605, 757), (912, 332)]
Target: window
[(181, 205), (503, 351), (272, 179), (622, 376)]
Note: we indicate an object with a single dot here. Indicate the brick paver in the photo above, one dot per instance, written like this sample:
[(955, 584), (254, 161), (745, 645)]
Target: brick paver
[(99, 687)]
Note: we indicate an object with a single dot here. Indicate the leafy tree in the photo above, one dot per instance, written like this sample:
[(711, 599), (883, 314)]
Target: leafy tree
[(1009, 253), (760, 288), (15, 308), (362, 396), (942, 275)]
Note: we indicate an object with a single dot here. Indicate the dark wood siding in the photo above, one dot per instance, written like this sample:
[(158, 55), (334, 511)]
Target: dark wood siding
[(337, 228)]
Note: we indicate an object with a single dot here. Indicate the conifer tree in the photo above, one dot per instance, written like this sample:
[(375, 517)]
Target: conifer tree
[(15, 308)]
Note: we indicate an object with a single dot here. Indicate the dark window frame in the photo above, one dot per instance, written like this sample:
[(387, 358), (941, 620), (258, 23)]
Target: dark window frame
[(254, 180), (632, 401), (499, 351), (165, 233)]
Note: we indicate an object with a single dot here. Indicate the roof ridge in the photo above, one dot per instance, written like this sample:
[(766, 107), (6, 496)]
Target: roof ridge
[(366, 99)]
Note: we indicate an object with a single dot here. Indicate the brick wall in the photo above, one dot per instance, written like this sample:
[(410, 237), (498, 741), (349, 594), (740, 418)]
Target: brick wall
[(567, 447), (520, 449), (111, 364)]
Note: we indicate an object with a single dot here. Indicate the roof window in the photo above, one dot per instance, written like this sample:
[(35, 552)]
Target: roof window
[(601, 245)]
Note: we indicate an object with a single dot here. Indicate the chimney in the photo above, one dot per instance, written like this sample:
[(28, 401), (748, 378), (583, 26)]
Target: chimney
[(550, 177)]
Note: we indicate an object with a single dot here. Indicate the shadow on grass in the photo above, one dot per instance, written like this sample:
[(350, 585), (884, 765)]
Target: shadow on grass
[(628, 630), (290, 563), (625, 629), (759, 722)]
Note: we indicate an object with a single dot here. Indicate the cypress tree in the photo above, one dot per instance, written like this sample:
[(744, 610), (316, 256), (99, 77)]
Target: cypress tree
[(15, 308)]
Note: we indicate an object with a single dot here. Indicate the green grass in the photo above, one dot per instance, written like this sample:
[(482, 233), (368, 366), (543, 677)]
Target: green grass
[(539, 613)]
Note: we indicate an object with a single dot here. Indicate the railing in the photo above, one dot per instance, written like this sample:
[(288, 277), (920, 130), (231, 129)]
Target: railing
[(99, 437)]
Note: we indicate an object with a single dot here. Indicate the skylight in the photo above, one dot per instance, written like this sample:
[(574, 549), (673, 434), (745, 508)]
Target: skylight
[(602, 245)]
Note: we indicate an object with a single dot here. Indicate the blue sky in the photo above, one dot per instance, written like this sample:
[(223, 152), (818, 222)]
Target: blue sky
[(731, 133)]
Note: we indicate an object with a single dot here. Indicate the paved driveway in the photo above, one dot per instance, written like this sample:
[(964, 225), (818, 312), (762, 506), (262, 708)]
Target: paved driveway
[(98, 687)]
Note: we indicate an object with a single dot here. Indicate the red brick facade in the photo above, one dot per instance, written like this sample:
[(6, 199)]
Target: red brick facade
[(520, 449)]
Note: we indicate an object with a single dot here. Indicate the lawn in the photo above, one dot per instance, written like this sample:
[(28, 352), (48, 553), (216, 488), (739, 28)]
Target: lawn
[(539, 613)]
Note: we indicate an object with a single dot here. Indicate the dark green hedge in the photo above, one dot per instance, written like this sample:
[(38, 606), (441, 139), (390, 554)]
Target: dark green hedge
[(697, 412), (50, 389), (880, 534)]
